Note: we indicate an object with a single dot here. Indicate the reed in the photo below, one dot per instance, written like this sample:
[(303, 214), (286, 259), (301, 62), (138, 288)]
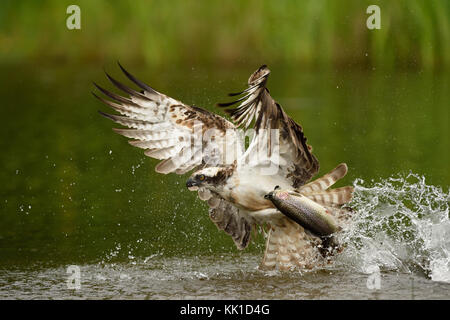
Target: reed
[(314, 34)]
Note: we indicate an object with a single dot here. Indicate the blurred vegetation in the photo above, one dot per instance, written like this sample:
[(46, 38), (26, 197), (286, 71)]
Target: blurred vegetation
[(414, 34)]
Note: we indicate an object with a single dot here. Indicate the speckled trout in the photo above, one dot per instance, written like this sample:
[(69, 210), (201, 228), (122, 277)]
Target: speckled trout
[(307, 213)]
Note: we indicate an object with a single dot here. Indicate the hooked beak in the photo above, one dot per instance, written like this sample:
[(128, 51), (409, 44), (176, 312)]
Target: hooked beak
[(191, 183), (269, 196)]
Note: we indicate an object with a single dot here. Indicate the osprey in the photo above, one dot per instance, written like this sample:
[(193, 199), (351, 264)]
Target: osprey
[(232, 178)]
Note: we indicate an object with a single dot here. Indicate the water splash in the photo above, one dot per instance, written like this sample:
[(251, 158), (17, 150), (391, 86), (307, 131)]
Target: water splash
[(400, 224)]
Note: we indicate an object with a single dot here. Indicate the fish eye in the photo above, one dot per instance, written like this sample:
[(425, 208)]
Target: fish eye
[(201, 177)]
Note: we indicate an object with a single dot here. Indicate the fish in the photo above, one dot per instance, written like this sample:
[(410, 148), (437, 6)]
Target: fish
[(313, 217), (309, 214)]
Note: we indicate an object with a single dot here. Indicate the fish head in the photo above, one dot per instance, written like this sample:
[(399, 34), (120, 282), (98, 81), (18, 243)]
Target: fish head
[(277, 194)]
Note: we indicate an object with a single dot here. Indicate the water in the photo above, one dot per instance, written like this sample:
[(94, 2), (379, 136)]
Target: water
[(397, 247), (211, 278), (73, 193), (401, 224)]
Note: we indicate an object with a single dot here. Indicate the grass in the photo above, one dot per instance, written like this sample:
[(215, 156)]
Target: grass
[(315, 34)]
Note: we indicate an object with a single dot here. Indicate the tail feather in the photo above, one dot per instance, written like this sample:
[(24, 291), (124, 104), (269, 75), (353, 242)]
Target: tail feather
[(323, 183), (332, 198), (318, 191), (289, 246)]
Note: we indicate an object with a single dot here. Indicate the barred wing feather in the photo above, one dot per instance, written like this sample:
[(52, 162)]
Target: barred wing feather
[(166, 128), (296, 162)]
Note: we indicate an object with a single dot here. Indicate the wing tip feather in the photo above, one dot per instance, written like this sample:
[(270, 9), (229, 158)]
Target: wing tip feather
[(106, 115), (138, 82), (165, 167)]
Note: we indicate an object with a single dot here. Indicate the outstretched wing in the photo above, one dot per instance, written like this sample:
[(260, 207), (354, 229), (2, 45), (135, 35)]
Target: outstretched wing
[(168, 129), (296, 162), (184, 137), (230, 219), (288, 244)]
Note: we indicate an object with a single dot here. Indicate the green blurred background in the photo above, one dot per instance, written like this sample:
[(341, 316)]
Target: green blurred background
[(72, 191), (313, 34)]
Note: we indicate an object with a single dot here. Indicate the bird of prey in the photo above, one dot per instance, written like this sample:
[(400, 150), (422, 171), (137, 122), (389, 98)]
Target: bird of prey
[(231, 175)]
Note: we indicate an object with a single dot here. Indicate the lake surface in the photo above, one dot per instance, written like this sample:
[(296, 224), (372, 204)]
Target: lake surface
[(75, 193), (210, 277)]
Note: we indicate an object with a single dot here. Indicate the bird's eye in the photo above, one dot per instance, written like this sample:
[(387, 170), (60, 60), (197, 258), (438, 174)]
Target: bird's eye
[(201, 177)]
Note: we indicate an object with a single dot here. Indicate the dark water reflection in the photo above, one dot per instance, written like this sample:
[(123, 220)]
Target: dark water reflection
[(74, 192)]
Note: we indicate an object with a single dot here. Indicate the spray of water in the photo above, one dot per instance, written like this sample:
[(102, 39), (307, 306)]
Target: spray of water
[(400, 224)]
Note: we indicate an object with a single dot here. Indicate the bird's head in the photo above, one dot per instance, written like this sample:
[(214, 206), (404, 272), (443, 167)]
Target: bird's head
[(212, 178)]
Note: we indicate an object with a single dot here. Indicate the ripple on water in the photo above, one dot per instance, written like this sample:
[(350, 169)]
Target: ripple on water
[(234, 277)]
